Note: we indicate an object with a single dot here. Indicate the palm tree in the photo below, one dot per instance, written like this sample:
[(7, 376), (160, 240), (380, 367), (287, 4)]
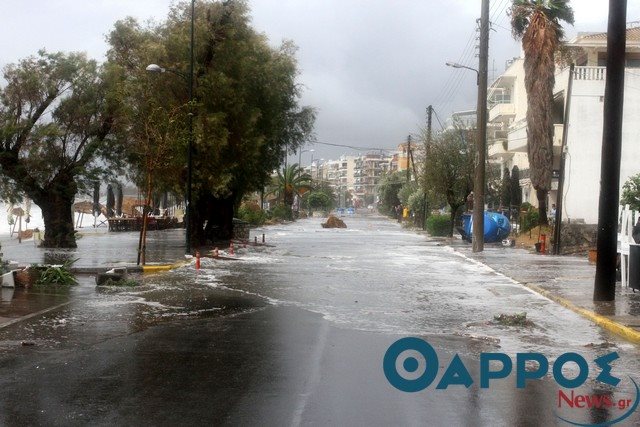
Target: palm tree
[(537, 23), (292, 181)]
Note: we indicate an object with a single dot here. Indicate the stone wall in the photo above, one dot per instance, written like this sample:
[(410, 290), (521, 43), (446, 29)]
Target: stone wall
[(578, 238)]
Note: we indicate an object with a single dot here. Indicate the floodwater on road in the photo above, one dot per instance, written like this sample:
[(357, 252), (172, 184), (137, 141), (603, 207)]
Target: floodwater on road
[(375, 276), (291, 332)]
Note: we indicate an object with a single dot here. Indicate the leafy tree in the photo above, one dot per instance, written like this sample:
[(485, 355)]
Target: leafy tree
[(388, 192), (408, 188), (318, 200), (417, 205), (537, 23), (631, 193), (246, 112), (494, 185), (505, 189), (449, 170), (516, 190), (55, 120)]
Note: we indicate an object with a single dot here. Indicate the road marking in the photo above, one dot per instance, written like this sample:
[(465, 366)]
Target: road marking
[(29, 316)]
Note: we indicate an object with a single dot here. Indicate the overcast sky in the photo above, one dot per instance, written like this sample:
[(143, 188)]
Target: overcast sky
[(370, 67)]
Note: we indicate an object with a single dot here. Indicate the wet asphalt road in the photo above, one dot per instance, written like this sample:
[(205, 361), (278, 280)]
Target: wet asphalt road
[(294, 334)]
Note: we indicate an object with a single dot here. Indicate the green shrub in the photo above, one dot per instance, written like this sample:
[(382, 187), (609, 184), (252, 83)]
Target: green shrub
[(439, 225), (281, 212), (529, 218), (57, 276), (416, 205), (251, 213), (125, 282)]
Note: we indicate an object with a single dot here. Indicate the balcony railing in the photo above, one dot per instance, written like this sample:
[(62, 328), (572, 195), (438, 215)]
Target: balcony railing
[(500, 110), (589, 73)]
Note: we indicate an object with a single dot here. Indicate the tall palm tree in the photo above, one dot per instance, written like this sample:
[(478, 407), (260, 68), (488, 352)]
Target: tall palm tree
[(537, 23), (292, 181)]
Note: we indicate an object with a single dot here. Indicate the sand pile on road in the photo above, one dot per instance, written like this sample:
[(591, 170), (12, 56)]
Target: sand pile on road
[(334, 222)]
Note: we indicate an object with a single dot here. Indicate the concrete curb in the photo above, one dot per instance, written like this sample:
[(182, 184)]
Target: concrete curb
[(163, 267), (156, 268), (131, 268), (619, 329)]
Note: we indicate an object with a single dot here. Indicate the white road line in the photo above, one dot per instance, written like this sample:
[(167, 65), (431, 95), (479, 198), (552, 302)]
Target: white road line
[(37, 313)]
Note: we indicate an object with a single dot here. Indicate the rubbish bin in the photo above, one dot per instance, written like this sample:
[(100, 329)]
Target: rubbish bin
[(634, 266)]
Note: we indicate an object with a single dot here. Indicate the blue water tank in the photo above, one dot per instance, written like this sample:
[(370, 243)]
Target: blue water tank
[(496, 227)]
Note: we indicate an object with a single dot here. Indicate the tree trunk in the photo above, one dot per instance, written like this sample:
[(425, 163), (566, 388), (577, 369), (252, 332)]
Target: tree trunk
[(453, 222), (212, 219), (142, 246), (56, 204), (454, 210), (542, 207)]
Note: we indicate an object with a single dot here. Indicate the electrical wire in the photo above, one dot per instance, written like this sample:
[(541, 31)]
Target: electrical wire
[(356, 148), (451, 88), (438, 119)]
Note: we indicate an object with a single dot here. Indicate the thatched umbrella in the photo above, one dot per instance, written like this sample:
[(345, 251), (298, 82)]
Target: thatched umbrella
[(111, 201), (119, 200), (96, 199), (85, 207)]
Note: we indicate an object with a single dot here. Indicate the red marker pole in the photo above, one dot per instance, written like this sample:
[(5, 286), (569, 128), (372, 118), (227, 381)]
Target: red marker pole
[(197, 260)]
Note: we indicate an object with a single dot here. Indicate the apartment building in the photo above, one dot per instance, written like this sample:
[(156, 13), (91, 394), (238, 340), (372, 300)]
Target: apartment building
[(507, 114)]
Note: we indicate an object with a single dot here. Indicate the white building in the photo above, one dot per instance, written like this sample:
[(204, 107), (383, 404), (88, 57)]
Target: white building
[(507, 112), (585, 123)]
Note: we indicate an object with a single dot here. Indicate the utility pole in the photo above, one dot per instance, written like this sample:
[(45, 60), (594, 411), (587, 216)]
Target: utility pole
[(605, 282), (408, 158), (563, 157), (481, 137), (426, 154), (189, 213)]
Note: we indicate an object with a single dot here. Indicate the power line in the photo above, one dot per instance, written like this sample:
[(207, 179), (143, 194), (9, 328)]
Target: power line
[(438, 118), (451, 88), (356, 148)]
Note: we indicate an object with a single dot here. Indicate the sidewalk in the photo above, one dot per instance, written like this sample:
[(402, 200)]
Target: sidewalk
[(98, 250), (569, 281)]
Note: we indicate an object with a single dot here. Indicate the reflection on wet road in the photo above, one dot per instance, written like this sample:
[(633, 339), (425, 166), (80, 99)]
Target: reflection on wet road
[(295, 333)]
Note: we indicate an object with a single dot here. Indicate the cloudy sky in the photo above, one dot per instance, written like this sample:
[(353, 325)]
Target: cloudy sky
[(370, 67)]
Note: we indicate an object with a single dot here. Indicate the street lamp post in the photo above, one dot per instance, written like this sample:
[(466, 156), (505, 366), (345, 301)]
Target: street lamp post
[(154, 68), (480, 177), (300, 156), (456, 65), (311, 167)]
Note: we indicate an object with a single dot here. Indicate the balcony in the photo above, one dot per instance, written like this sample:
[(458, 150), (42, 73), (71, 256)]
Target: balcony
[(501, 111), (497, 150)]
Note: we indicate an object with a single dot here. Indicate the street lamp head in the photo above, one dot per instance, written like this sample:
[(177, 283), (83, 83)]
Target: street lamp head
[(453, 64), (155, 68)]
